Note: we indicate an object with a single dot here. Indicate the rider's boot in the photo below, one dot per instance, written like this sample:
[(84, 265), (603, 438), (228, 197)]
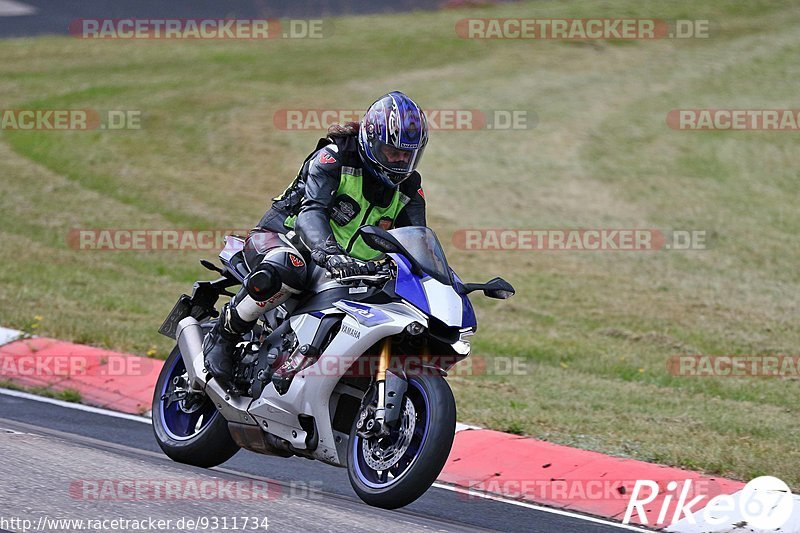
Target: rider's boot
[(220, 342), (260, 292)]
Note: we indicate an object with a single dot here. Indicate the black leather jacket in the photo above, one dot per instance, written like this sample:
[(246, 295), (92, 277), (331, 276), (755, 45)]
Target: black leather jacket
[(311, 195)]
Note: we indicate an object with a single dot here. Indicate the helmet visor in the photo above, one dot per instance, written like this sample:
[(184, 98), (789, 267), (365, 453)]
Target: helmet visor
[(396, 161)]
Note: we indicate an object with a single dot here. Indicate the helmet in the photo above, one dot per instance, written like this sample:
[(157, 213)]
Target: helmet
[(392, 137)]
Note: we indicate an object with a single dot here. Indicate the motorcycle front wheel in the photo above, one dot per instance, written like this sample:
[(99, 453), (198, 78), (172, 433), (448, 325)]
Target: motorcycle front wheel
[(395, 470)]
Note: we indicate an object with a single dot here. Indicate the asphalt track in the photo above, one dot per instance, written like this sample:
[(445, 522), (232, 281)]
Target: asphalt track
[(47, 447), (54, 16)]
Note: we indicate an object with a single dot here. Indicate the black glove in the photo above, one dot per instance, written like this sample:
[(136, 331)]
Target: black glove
[(329, 247), (342, 266), (332, 257)]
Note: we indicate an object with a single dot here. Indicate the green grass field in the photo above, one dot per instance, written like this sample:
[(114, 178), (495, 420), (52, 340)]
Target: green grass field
[(594, 329)]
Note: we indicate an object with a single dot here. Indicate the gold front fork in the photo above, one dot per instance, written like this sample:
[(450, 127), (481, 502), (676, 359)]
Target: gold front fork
[(386, 356), (380, 378)]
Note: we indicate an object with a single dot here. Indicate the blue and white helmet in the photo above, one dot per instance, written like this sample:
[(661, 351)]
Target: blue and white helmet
[(392, 137)]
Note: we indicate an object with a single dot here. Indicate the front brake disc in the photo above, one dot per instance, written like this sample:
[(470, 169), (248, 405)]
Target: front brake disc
[(382, 453)]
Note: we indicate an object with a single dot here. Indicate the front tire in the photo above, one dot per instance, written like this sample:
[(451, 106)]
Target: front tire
[(193, 433), (433, 410)]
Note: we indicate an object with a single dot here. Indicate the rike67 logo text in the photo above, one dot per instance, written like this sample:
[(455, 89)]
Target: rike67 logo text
[(765, 503)]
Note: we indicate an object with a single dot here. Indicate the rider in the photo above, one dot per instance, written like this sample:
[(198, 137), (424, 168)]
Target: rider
[(360, 174)]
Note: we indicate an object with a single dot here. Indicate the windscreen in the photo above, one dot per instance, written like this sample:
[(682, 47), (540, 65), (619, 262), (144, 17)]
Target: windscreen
[(424, 247)]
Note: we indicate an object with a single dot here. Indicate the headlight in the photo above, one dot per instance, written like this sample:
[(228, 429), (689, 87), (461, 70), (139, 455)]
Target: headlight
[(463, 346), (415, 328)]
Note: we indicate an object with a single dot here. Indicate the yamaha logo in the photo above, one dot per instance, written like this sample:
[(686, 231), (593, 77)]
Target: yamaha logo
[(347, 330)]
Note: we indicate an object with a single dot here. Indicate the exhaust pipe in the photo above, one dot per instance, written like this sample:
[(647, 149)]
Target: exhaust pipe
[(190, 342), (253, 438)]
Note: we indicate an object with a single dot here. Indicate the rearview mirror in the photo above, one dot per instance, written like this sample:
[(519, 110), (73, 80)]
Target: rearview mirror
[(499, 288), (496, 288), (383, 241), (379, 239)]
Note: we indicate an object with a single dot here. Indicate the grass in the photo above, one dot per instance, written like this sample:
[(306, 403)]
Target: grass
[(593, 329), (67, 395)]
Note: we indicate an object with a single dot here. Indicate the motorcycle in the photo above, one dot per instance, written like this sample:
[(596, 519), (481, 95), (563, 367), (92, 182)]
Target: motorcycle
[(370, 353)]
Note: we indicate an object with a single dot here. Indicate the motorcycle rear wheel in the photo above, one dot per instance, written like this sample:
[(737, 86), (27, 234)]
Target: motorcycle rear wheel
[(191, 432)]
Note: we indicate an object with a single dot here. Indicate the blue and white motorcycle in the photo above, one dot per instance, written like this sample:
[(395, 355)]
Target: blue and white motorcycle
[(372, 352)]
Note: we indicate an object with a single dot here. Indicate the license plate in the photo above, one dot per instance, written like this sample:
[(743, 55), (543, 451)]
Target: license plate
[(181, 310)]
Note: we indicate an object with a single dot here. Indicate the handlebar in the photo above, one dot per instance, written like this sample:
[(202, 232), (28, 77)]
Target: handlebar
[(369, 268)]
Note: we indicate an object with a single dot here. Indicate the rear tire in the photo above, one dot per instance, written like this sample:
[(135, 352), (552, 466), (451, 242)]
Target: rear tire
[(200, 438), (428, 393)]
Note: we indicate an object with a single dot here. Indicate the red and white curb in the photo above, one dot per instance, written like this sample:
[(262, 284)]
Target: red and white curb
[(482, 464), (9, 335)]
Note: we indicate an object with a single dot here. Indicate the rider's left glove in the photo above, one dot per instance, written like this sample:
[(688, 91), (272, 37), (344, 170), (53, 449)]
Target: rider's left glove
[(342, 266)]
